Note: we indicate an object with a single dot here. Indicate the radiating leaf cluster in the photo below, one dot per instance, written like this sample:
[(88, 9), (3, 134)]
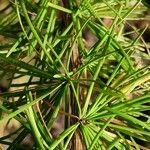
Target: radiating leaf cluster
[(98, 92)]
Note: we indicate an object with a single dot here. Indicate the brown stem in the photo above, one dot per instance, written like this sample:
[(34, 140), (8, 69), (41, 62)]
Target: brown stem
[(62, 112)]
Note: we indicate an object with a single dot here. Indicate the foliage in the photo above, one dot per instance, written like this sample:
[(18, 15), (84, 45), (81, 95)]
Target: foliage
[(100, 90)]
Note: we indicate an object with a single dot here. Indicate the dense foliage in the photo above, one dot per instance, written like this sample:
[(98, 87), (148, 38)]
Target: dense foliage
[(75, 79)]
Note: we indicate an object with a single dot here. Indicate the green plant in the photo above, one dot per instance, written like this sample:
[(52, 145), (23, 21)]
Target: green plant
[(100, 91)]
